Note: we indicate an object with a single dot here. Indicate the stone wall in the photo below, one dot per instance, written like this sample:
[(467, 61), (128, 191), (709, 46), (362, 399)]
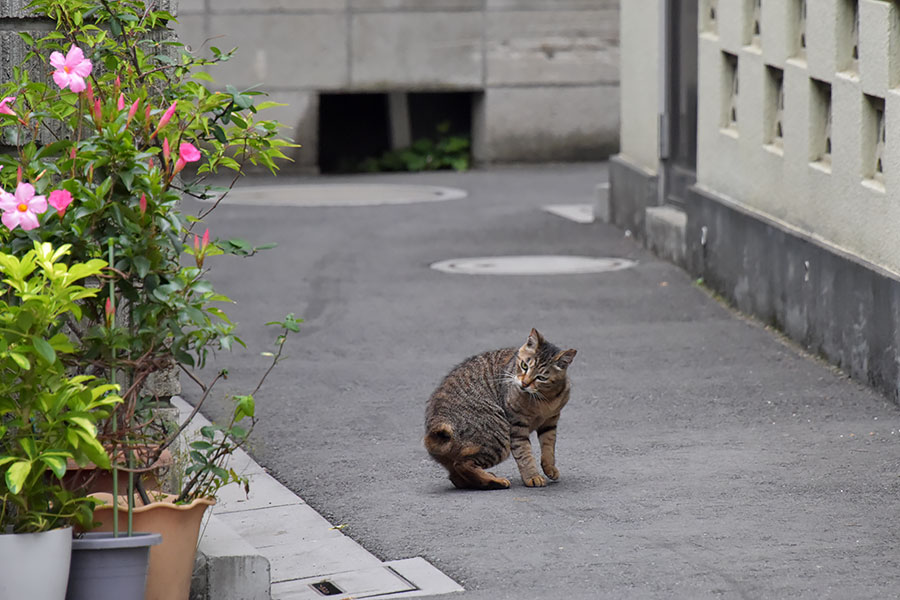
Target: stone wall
[(544, 73)]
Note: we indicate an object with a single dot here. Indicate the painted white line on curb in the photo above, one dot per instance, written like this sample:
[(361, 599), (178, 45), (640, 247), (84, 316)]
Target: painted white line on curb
[(580, 213)]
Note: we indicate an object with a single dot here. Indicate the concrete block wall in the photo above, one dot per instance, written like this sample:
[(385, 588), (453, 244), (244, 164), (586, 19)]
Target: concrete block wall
[(545, 72), (845, 201)]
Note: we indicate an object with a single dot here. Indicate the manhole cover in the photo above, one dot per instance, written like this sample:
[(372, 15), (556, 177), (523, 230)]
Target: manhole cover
[(339, 194), (532, 265)]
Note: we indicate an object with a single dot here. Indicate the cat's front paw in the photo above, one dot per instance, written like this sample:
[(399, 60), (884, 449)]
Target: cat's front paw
[(536, 481), (551, 471)]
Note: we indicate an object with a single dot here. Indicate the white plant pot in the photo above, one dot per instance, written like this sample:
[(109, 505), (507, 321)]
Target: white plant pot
[(35, 565)]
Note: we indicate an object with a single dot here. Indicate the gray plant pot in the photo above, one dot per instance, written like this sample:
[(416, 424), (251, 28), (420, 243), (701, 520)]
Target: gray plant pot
[(110, 568)]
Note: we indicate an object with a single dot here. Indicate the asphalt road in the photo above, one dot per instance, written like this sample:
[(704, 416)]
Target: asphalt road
[(701, 456)]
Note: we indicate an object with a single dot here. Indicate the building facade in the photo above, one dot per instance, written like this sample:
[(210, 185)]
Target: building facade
[(790, 204), (529, 80)]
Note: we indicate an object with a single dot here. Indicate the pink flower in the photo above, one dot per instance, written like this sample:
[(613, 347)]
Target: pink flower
[(23, 208), (187, 153), (121, 103), (110, 312), (71, 69), (4, 109), (167, 116), (132, 111), (60, 200), (200, 245)]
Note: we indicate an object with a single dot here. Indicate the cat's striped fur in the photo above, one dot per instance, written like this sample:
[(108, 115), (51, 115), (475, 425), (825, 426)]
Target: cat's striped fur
[(487, 407)]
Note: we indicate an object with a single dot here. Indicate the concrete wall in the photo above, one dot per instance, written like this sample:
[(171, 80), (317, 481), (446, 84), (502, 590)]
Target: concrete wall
[(841, 200), (545, 71), (640, 56)]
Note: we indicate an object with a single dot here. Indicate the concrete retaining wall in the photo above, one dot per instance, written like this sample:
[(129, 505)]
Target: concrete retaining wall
[(545, 72)]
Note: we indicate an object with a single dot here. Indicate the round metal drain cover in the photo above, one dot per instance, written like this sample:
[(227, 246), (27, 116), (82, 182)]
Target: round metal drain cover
[(532, 265), (339, 194)]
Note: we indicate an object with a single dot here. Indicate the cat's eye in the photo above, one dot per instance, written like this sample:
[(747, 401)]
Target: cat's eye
[(541, 378), (524, 366)]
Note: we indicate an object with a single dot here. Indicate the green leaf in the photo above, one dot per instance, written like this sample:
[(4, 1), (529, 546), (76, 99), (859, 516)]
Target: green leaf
[(20, 360), (142, 265), (201, 445), (245, 407), (44, 349), (93, 450), (208, 431), (56, 464), (219, 134), (84, 423), (268, 104), (29, 447), (127, 178), (16, 475)]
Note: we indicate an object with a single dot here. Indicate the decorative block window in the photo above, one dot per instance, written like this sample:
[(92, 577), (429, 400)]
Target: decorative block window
[(709, 16), (799, 36), (774, 110), (848, 36), (755, 22), (874, 138), (820, 126), (730, 86)]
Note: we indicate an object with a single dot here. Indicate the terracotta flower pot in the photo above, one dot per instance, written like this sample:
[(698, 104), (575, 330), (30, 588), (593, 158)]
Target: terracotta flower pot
[(90, 480), (172, 561)]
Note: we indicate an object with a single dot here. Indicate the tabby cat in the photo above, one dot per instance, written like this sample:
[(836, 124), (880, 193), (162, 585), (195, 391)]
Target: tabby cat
[(488, 406)]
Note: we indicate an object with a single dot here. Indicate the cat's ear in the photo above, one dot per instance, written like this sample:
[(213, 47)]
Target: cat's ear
[(564, 359), (535, 339)]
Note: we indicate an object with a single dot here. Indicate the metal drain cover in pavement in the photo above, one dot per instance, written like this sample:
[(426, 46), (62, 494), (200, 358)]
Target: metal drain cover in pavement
[(532, 265), (339, 194)]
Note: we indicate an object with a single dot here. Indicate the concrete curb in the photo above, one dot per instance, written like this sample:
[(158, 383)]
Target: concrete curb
[(228, 567), (271, 544)]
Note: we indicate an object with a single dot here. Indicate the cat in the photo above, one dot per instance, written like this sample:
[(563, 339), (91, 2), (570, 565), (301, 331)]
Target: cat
[(487, 407)]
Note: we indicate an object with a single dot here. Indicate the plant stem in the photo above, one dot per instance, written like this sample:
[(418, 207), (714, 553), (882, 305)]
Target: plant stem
[(112, 379)]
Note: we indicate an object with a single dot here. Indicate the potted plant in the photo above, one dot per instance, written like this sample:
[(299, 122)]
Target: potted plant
[(112, 122), (177, 514), (47, 417)]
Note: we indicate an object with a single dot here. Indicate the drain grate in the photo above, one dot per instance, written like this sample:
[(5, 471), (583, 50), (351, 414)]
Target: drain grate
[(326, 588), (533, 265)]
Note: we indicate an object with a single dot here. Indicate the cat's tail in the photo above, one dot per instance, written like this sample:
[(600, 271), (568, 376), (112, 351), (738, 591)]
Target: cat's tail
[(439, 439)]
